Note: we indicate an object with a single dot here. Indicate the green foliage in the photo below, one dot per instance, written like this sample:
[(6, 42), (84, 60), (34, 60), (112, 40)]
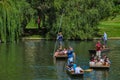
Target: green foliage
[(110, 26), (77, 19), (116, 9), (13, 13), (80, 17)]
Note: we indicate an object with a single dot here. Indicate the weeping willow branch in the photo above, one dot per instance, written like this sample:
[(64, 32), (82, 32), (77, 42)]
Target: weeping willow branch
[(12, 12)]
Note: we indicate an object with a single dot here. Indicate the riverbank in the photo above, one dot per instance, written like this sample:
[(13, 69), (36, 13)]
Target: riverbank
[(111, 26), (110, 38), (40, 38)]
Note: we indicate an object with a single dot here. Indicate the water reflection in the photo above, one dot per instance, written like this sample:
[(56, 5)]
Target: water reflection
[(30, 52), (10, 62), (38, 63), (33, 60), (60, 69), (96, 75), (99, 75)]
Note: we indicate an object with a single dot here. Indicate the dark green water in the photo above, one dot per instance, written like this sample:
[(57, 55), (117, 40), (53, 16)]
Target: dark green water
[(33, 60)]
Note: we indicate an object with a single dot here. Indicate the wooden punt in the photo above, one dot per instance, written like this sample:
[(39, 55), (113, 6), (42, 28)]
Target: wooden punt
[(102, 51), (59, 55), (73, 74), (96, 66)]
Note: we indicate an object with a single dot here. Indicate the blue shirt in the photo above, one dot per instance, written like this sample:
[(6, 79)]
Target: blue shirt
[(60, 37), (74, 66), (70, 53)]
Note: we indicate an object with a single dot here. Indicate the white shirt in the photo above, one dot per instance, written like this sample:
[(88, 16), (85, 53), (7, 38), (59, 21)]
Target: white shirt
[(78, 69), (92, 63), (105, 36)]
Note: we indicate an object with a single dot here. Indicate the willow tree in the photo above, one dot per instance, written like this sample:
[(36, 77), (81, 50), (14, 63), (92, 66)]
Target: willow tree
[(13, 13)]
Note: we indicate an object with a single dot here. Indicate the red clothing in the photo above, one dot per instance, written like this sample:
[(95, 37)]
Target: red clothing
[(38, 20), (98, 47)]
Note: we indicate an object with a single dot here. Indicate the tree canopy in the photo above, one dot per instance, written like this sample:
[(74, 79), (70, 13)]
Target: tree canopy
[(77, 19), (13, 13)]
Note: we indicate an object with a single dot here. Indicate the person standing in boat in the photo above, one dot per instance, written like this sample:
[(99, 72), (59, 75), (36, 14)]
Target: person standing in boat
[(70, 54), (105, 39), (60, 39), (98, 49)]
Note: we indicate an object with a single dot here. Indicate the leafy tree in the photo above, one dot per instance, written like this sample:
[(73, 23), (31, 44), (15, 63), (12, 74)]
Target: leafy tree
[(13, 13), (80, 17), (116, 9), (77, 19)]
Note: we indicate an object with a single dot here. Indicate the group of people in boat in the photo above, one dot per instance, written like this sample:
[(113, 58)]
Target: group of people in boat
[(66, 51), (98, 59), (71, 66), (103, 61), (61, 51)]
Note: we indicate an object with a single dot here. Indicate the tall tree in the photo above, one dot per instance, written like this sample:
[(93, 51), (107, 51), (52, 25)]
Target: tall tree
[(12, 12), (80, 17)]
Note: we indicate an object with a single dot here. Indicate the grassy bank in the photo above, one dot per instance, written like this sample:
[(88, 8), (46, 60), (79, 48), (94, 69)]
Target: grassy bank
[(110, 26)]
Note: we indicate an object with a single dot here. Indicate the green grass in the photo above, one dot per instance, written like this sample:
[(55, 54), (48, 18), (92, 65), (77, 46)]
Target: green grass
[(110, 26), (32, 24), (33, 37)]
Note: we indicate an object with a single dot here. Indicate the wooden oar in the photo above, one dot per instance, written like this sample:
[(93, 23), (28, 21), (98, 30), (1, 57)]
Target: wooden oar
[(88, 70)]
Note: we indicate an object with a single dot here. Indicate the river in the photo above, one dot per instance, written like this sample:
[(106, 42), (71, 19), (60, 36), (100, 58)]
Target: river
[(33, 60)]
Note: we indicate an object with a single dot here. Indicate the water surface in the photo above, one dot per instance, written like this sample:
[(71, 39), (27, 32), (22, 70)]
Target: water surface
[(33, 60)]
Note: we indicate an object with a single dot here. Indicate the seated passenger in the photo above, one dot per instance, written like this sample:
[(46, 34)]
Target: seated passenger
[(74, 66), (70, 66), (64, 51), (102, 60), (92, 63), (78, 70), (92, 57), (107, 61)]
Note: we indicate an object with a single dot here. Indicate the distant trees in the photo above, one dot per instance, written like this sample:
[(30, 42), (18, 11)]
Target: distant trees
[(78, 17), (116, 9)]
